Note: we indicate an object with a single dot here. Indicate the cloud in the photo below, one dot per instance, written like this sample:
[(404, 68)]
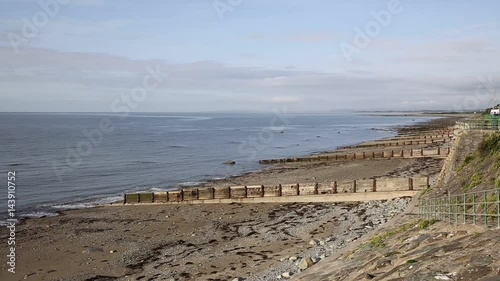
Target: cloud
[(285, 99), (91, 80)]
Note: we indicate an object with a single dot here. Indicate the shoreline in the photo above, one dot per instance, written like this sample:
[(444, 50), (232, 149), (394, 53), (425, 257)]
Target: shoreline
[(49, 211), (211, 242)]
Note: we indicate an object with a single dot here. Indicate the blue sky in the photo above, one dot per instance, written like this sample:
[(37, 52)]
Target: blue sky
[(220, 55)]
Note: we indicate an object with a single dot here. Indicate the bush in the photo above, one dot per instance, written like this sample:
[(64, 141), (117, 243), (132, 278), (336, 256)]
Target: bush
[(466, 162), (423, 224), (490, 144), (475, 180)]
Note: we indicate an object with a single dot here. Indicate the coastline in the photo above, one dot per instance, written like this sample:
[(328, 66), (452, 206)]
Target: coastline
[(127, 242)]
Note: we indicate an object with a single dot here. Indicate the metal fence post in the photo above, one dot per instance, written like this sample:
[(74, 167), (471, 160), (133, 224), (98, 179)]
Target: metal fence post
[(465, 208), (449, 207), (474, 208), (456, 209), (485, 208), (498, 207)]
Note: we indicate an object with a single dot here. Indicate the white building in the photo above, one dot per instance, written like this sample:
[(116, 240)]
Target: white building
[(495, 111)]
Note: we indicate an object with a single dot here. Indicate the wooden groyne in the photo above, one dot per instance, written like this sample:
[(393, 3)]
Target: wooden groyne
[(390, 186), (400, 153)]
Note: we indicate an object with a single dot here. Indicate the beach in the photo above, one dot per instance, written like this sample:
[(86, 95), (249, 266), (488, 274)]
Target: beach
[(215, 242)]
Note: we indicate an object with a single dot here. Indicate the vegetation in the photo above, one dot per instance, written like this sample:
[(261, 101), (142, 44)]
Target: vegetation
[(466, 162), (489, 145), (423, 224), (379, 240), (475, 180), (411, 261)]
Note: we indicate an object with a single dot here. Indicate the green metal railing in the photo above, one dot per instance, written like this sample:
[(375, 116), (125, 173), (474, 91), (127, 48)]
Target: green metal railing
[(479, 124), (481, 207)]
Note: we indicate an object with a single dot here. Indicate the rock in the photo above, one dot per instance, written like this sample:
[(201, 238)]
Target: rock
[(90, 250), (283, 259), (369, 276), (238, 279), (287, 275), (313, 242), (322, 257), (230, 162), (293, 258), (112, 251), (322, 243), (305, 263)]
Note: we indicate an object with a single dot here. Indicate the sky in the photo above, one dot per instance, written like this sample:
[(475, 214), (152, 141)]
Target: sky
[(248, 55)]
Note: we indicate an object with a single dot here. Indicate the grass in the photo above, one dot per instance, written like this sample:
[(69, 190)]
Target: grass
[(489, 145), (379, 240), (475, 181), (423, 224), (496, 165), (497, 182), (411, 261), (466, 162)]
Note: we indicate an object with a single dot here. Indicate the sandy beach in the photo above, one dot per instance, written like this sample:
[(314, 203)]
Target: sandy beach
[(212, 242)]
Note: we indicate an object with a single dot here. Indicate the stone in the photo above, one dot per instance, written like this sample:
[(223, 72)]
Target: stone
[(305, 263), (293, 258), (90, 250), (238, 279), (369, 276), (313, 242), (287, 274), (230, 162)]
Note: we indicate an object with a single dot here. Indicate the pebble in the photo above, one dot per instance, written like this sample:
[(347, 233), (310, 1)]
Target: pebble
[(305, 263)]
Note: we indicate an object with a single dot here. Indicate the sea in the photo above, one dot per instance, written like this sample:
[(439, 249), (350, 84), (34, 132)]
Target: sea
[(79, 160)]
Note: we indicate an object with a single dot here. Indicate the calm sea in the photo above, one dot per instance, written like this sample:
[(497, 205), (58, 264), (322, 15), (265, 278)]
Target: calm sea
[(78, 160)]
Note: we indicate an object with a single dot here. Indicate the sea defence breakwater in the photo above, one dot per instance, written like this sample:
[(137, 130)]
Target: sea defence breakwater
[(430, 143), (336, 191)]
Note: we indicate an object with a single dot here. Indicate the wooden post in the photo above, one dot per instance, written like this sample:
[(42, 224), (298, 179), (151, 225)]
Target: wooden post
[(262, 191), (411, 152), (298, 188), (439, 150), (213, 193), (280, 190), (374, 187), (229, 191), (138, 198), (182, 195), (410, 183), (316, 185), (427, 182), (354, 186), (335, 187), (392, 153), (246, 191), (421, 152), (364, 155), (168, 196), (152, 197), (373, 154), (124, 198)]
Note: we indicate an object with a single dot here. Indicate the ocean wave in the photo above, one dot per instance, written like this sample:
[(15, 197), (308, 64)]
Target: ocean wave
[(39, 214)]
